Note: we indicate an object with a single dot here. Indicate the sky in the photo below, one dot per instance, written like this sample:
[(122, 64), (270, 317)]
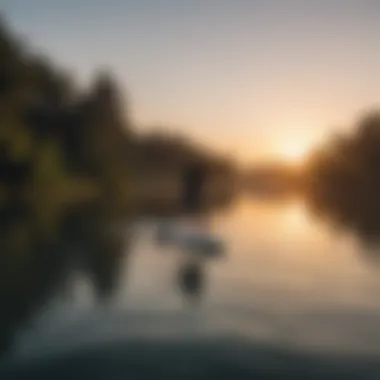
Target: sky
[(256, 79)]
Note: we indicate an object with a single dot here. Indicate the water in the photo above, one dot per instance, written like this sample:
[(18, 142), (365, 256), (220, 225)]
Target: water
[(290, 295)]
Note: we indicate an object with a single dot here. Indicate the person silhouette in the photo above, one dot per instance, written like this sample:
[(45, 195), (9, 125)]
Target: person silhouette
[(191, 280), (193, 183)]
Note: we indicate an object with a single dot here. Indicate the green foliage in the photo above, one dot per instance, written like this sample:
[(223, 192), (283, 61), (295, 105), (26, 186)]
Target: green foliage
[(20, 144), (51, 132), (48, 164)]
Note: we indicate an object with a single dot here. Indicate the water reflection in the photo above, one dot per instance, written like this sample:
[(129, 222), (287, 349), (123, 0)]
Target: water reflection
[(191, 280), (362, 225), (197, 245), (284, 284), (43, 248), (36, 262), (98, 246)]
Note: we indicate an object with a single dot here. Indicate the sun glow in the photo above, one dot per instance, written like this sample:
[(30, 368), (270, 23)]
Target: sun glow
[(294, 150)]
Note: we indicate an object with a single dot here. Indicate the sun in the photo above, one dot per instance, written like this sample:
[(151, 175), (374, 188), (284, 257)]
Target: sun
[(294, 150)]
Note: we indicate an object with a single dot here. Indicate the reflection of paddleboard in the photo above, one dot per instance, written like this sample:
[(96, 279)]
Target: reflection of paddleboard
[(189, 240), (165, 233)]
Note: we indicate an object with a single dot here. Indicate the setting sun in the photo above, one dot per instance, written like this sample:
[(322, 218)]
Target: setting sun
[(293, 150)]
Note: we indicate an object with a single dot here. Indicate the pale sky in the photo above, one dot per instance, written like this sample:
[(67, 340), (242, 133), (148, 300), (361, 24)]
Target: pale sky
[(255, 78)]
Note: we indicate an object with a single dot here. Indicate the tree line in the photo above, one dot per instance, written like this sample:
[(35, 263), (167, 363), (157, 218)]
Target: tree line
[(56, 136), (342, 178)]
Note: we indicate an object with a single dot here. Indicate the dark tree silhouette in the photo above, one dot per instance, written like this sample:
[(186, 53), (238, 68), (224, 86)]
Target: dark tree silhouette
[(85, 133), (342, 179)]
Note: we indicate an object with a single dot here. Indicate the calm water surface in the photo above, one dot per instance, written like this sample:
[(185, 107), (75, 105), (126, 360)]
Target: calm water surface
[(285, 281)]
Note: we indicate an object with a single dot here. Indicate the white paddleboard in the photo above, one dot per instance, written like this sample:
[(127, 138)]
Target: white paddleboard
[(189, 239)]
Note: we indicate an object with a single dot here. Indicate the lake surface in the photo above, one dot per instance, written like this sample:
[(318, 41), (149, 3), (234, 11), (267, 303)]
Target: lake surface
[(290, 297)]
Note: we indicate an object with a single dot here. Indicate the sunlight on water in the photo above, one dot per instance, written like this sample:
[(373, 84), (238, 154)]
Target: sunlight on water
[(284, 280), (292, 280)]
